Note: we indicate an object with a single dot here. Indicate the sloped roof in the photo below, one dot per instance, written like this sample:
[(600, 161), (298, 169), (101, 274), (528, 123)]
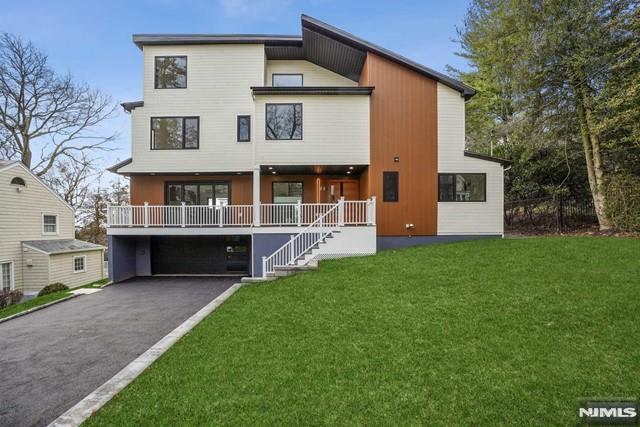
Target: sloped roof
[(61, 245)]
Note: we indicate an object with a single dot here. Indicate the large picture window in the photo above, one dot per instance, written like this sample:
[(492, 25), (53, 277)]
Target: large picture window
[(175, 133), (289, 80), (170, 72), (283, 121), (462, 187), (198, 193), (390, 186), (287, 192)]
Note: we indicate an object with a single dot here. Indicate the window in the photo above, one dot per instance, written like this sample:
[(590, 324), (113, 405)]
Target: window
[(6, 276), (49, 224), (170, 72), (287, 192), (175, 133), (18, 181), (389, 186), (79, 264), (290, 80), (284, 121), (462, 187), (198, 193), (244, 128)]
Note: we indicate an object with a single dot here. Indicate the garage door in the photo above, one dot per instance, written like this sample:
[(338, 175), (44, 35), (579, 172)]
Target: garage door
[(200, 254)]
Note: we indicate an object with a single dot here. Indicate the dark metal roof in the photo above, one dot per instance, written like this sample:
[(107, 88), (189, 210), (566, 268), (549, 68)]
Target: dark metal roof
[(114, 168), (61, 245), (129, 106), (285, 52), (312, 90), (313, 25), (333, 55), (173, 39), (503, 162)]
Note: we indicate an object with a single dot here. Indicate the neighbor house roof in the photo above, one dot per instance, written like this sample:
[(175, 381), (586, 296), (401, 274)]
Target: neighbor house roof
[(59, 246), (320, 43), (8, 164), (114, 168)]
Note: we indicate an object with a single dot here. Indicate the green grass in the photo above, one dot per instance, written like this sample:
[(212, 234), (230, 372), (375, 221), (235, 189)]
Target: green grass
[(493, 332), (37, 301)]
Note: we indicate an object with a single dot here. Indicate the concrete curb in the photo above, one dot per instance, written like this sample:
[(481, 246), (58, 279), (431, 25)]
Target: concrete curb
[(109, 283), (103, 394), (39, 307)]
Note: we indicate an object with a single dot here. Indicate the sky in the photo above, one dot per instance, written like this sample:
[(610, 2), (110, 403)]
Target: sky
[(92, 39)]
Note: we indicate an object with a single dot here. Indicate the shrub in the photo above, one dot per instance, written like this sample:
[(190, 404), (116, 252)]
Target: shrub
[(54, 287), (8, 298), (623, 202)]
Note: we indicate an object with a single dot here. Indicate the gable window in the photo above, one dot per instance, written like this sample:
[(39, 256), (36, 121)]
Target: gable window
[(6, 276), (283, 121), (290, 80), (287, 192), (462, 187), (18, 181), (79, 264), (244, 128), (170, 72), (49, 224), (175, 133), (389, 186)]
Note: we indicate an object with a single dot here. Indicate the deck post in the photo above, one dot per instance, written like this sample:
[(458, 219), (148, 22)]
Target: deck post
[(341, 211), (108, 216), (146, 214), (183, 214), (372, 218), (299, 213), (264, 266), (256, 195)]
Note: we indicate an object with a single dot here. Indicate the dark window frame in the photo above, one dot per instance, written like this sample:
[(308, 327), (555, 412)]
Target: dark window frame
[(386, 199), (198, 183), (242, 116), (287, 74), (484, 196), (184, 129), (155, 71), (266, 128), (273, 195)]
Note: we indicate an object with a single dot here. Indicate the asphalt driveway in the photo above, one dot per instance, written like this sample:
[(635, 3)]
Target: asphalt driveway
[(52, 358)]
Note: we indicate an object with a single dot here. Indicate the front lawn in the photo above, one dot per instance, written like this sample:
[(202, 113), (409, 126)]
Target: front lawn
[(493, 332), (45, 299)]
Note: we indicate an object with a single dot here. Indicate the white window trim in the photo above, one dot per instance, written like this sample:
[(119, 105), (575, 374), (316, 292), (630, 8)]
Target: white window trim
[(50, 233), (84, 264), (12, 286)]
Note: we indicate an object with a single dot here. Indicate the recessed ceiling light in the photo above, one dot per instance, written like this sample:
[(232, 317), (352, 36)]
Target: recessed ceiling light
[(350, 168), (238, 173), (270, 168), (197, 173), (348, 172), (274, 172)]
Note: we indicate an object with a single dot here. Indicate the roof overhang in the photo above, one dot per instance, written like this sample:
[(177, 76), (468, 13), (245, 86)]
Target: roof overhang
[(141, 40), (115, 168), (311, 90), (130, 106), (503, 162)]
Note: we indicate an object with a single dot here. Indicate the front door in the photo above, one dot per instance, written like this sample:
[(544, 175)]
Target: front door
[(349, 189)]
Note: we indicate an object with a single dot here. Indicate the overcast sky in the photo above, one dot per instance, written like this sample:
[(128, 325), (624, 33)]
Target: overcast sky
[(92, 39)]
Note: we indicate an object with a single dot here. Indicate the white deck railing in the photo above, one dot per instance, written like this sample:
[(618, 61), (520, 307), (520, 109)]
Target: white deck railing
[(360, 212)]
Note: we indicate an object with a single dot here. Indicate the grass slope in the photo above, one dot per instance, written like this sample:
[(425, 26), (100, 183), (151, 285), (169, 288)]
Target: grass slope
[(493, 332)]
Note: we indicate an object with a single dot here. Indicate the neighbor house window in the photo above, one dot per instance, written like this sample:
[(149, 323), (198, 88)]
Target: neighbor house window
[(389, 186), (6, 276), (287, 192), (79, 264), (244, 128), (170, 72), (291, 80), (175, 133), (18, 181), (284, 121), (462, 187), (49, 224)]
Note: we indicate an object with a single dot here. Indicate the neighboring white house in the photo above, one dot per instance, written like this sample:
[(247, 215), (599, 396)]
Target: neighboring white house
[(37, 244)]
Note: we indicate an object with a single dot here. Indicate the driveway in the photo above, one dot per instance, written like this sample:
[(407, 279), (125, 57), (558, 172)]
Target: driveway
[(52, 358)]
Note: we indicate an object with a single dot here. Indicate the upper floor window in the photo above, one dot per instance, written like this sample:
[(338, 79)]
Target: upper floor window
[(283, 121), (170, 72), (389, 186), (291, 80), (462, 187), (244, 128), (175, 133), (49, 224)]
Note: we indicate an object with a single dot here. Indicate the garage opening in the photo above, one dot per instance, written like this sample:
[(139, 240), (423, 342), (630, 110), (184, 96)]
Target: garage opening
[(200, 255)]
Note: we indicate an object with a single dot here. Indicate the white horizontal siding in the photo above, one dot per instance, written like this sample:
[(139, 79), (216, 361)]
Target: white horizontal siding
[(36, 275), (61, 268), (465, 217), (313, 75), (21, 216), (219, 78), (335, 130)]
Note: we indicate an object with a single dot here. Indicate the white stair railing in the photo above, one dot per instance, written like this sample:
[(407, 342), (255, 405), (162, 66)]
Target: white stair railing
[(302, 242)]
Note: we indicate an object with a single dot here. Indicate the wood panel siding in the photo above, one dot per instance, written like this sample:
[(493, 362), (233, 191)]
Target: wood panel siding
[(403, 124)]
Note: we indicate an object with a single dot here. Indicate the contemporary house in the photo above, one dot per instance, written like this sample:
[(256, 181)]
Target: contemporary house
[(255, 154), (37, 244)]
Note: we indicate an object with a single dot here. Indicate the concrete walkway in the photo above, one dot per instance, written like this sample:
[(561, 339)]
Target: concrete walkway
[(52, 358)]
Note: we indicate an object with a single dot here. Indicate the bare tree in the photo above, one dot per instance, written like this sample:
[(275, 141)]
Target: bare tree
[(45, 117), (72, 179)]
